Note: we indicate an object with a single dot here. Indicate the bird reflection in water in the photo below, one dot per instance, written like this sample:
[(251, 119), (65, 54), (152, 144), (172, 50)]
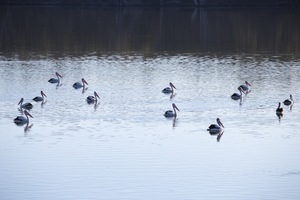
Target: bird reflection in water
[(43, 103), (279, 115), (175, 122), (219, 136), (172, 96), (96, 105), (27, 128)]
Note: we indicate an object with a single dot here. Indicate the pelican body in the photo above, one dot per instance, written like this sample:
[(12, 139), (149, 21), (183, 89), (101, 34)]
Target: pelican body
[(237, 96), (279, 109), (172, 113), (92, 99), (78, 85), (246, 87), (170, 89), (22, 120), (27, 106), (55, 80), (216, 128), (40, 98), (288, 102)]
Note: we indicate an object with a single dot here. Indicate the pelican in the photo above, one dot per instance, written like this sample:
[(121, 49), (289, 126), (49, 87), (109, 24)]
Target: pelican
[(27, 106), (79, 85), (288, 102), (246, 87), (170, 89), (279, 110), (40, 98), (22, 120), (92, 99), (237, 96), (216, 128), (172, 113), (55, 80)]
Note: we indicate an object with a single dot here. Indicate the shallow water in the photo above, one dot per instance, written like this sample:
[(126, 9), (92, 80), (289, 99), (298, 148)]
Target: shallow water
[(124, 148)]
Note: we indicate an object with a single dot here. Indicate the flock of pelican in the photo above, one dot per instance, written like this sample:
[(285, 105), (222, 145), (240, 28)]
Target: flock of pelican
[(213, 128), (21, 120), (243, 89)]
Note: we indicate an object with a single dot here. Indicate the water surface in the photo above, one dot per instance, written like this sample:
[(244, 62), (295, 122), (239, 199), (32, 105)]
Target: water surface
[(124, 148)]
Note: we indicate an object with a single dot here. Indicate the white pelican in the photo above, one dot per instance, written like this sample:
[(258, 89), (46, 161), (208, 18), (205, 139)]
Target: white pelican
[(27, 106), (279, 110), (40, 98), (237, 96), (55, 80), (288, 102), (22, 120), (169, 90), (246, 87), (172, 113), (216, 128), (79, 85), (92, 99)]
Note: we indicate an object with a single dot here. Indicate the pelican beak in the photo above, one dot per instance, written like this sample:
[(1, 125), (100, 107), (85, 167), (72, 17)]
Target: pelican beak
[(43, 94), (21, 101), (172, 85), (84, 81), (57, 74), (30, 115), (96, 94), (27, 113), (220, 123), (175, 107), (247, 83)]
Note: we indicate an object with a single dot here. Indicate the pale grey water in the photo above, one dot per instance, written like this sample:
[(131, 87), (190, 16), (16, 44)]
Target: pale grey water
[(125, 148)]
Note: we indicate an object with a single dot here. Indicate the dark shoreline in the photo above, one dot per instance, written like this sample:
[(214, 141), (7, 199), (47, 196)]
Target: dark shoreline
[(156, 3)]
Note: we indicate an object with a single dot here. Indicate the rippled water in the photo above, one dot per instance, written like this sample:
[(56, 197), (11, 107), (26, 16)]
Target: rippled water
[(124, 148)]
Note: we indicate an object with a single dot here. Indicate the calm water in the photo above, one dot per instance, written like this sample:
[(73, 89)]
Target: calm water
[(124, 148)]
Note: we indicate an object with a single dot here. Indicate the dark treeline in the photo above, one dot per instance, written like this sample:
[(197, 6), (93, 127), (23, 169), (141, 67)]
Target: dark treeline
[(78, 31), (156, 3)]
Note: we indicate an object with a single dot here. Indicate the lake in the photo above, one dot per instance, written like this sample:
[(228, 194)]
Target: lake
[(123, 147)]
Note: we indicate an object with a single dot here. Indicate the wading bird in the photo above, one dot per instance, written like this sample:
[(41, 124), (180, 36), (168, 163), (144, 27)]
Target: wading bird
[(216, 128), (92, 99), (20, 120), (172, 113), (40, 98), (246, 87), (78, 85), (55, 80), (170, 89), (279, 110), (237, 96), (288, 102), (27, 106)]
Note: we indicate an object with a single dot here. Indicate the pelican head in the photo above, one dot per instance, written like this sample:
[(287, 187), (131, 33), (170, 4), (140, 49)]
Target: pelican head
[(43, 94), (58, 75), (172, 85), (175, 107), (84, 81), (291, 97), (247, 83), (21, 101), (27, 113), (96, 95), (220, 123)]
